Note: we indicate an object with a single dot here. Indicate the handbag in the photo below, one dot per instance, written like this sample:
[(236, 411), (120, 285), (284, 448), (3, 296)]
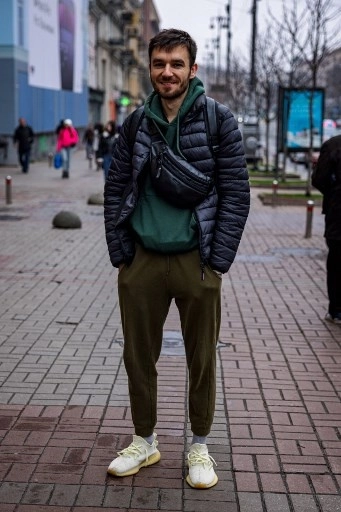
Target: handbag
[(57, 160), (176, 180)]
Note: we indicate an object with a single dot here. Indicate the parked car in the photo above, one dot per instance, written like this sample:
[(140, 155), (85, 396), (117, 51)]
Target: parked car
[(298, 158), (314, 157), (329, 123), (303, 158)]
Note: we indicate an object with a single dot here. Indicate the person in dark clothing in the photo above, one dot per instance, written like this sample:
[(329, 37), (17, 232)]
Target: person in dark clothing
[(59, 127), (98, 130), (88, 140), (106, 144), (23, 137), (164, 252), (326, 177)]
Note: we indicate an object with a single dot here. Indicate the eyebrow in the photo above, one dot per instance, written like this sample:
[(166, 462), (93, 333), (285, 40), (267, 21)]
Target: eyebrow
[(173, 61)]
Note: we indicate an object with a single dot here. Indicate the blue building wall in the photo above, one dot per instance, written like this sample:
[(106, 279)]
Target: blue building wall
[(42, 108), (6, 22)]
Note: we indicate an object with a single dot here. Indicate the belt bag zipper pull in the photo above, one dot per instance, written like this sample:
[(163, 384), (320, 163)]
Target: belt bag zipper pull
[(159, 164)]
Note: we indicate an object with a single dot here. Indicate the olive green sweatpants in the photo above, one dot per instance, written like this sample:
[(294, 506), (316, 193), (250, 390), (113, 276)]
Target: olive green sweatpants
[(146, 289)]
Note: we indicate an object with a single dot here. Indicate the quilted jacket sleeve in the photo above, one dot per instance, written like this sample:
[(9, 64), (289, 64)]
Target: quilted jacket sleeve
[(233, 194), (116, 190)]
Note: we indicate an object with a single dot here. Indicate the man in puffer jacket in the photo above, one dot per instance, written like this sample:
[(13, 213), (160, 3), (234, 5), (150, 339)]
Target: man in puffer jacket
[(326, 178), (164, 252)]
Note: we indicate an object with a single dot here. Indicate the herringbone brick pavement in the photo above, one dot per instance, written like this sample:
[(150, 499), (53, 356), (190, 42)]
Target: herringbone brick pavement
[(64, 409)]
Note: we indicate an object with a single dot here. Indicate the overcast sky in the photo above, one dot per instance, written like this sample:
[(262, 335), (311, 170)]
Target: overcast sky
[(194, 16)]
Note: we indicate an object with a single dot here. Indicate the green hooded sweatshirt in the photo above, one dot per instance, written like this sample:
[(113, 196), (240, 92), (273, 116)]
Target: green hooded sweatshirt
[(158, 225)]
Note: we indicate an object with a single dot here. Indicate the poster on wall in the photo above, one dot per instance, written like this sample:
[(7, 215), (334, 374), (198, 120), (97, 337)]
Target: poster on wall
[(55, 44), (294, 125)]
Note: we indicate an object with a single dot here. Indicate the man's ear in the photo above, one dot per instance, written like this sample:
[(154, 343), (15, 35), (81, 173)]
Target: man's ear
[(194, 70)]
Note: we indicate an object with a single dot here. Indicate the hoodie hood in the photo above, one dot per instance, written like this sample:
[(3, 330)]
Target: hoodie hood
[(170, 131)]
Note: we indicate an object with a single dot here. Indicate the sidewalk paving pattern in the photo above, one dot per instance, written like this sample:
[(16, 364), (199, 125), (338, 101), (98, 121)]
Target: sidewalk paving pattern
[(64, 407)]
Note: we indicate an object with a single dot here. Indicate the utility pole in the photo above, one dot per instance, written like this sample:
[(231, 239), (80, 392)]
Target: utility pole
[(221, 23), (228, 25), (253, 51), (251, 132)]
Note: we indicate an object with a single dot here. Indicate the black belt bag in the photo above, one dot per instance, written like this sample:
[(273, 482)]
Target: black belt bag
[(176, 180)]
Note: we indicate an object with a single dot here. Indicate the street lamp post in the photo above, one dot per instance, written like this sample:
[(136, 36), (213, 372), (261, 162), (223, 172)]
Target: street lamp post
[(253, 52), (221, 22), (228, 25), (228, 49), (210, 47)]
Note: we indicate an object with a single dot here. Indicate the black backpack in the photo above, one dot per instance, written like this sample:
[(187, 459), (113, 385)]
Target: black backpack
[(211, 123)]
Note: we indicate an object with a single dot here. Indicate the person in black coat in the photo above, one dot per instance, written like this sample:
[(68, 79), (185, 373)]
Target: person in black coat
[(106, 144), (326, 177), (23, 137)]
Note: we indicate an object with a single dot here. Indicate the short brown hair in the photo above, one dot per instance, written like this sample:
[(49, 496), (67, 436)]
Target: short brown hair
[(169, 38)]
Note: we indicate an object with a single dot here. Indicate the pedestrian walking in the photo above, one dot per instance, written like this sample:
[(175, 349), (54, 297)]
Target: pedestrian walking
[(106, 144), (23, 137), (98, 129), (172, 238), (59, 126), (66, 141), (88, 140), (326, 177)]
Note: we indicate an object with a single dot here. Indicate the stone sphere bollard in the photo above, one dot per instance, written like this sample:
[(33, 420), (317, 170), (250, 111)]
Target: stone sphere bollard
[(66, 220), (96, 198)]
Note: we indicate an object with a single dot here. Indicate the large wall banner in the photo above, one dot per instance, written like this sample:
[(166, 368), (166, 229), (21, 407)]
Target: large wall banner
[(55, 44), (299, 112)]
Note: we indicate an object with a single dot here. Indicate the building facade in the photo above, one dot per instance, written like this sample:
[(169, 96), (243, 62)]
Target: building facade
[(40, 80), (80, 59), (119, 32)]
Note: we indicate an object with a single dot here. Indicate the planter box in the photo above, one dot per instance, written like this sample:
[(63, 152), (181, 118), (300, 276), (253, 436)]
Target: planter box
[(283, 200)]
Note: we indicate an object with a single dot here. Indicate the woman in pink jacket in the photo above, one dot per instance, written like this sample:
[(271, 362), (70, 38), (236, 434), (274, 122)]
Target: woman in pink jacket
[(67, 139)]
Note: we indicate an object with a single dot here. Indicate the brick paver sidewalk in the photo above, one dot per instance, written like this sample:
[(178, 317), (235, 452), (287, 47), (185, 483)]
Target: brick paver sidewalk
[(64, 409)]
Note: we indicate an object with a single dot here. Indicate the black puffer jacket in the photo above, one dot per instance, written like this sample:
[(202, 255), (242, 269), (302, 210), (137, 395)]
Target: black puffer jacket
[(326, 178), (221, 216)]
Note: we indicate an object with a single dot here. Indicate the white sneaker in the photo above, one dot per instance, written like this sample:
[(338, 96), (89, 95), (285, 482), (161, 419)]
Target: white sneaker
[(139, 454), (334, 319), (201, 474)]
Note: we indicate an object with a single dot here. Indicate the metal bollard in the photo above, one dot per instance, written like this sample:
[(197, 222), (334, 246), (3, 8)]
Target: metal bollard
[(274, 192), (309, 221), (91, 157), (8, 189)]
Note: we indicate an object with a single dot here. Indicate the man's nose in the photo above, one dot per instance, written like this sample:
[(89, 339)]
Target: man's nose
[(167, 70)]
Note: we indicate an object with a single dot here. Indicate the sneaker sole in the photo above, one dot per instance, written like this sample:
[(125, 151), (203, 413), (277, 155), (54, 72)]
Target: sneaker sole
[(332, 320), (202, 486), (153, 459)]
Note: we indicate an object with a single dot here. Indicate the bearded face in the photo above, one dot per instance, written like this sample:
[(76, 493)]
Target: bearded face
[(170, 72)]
